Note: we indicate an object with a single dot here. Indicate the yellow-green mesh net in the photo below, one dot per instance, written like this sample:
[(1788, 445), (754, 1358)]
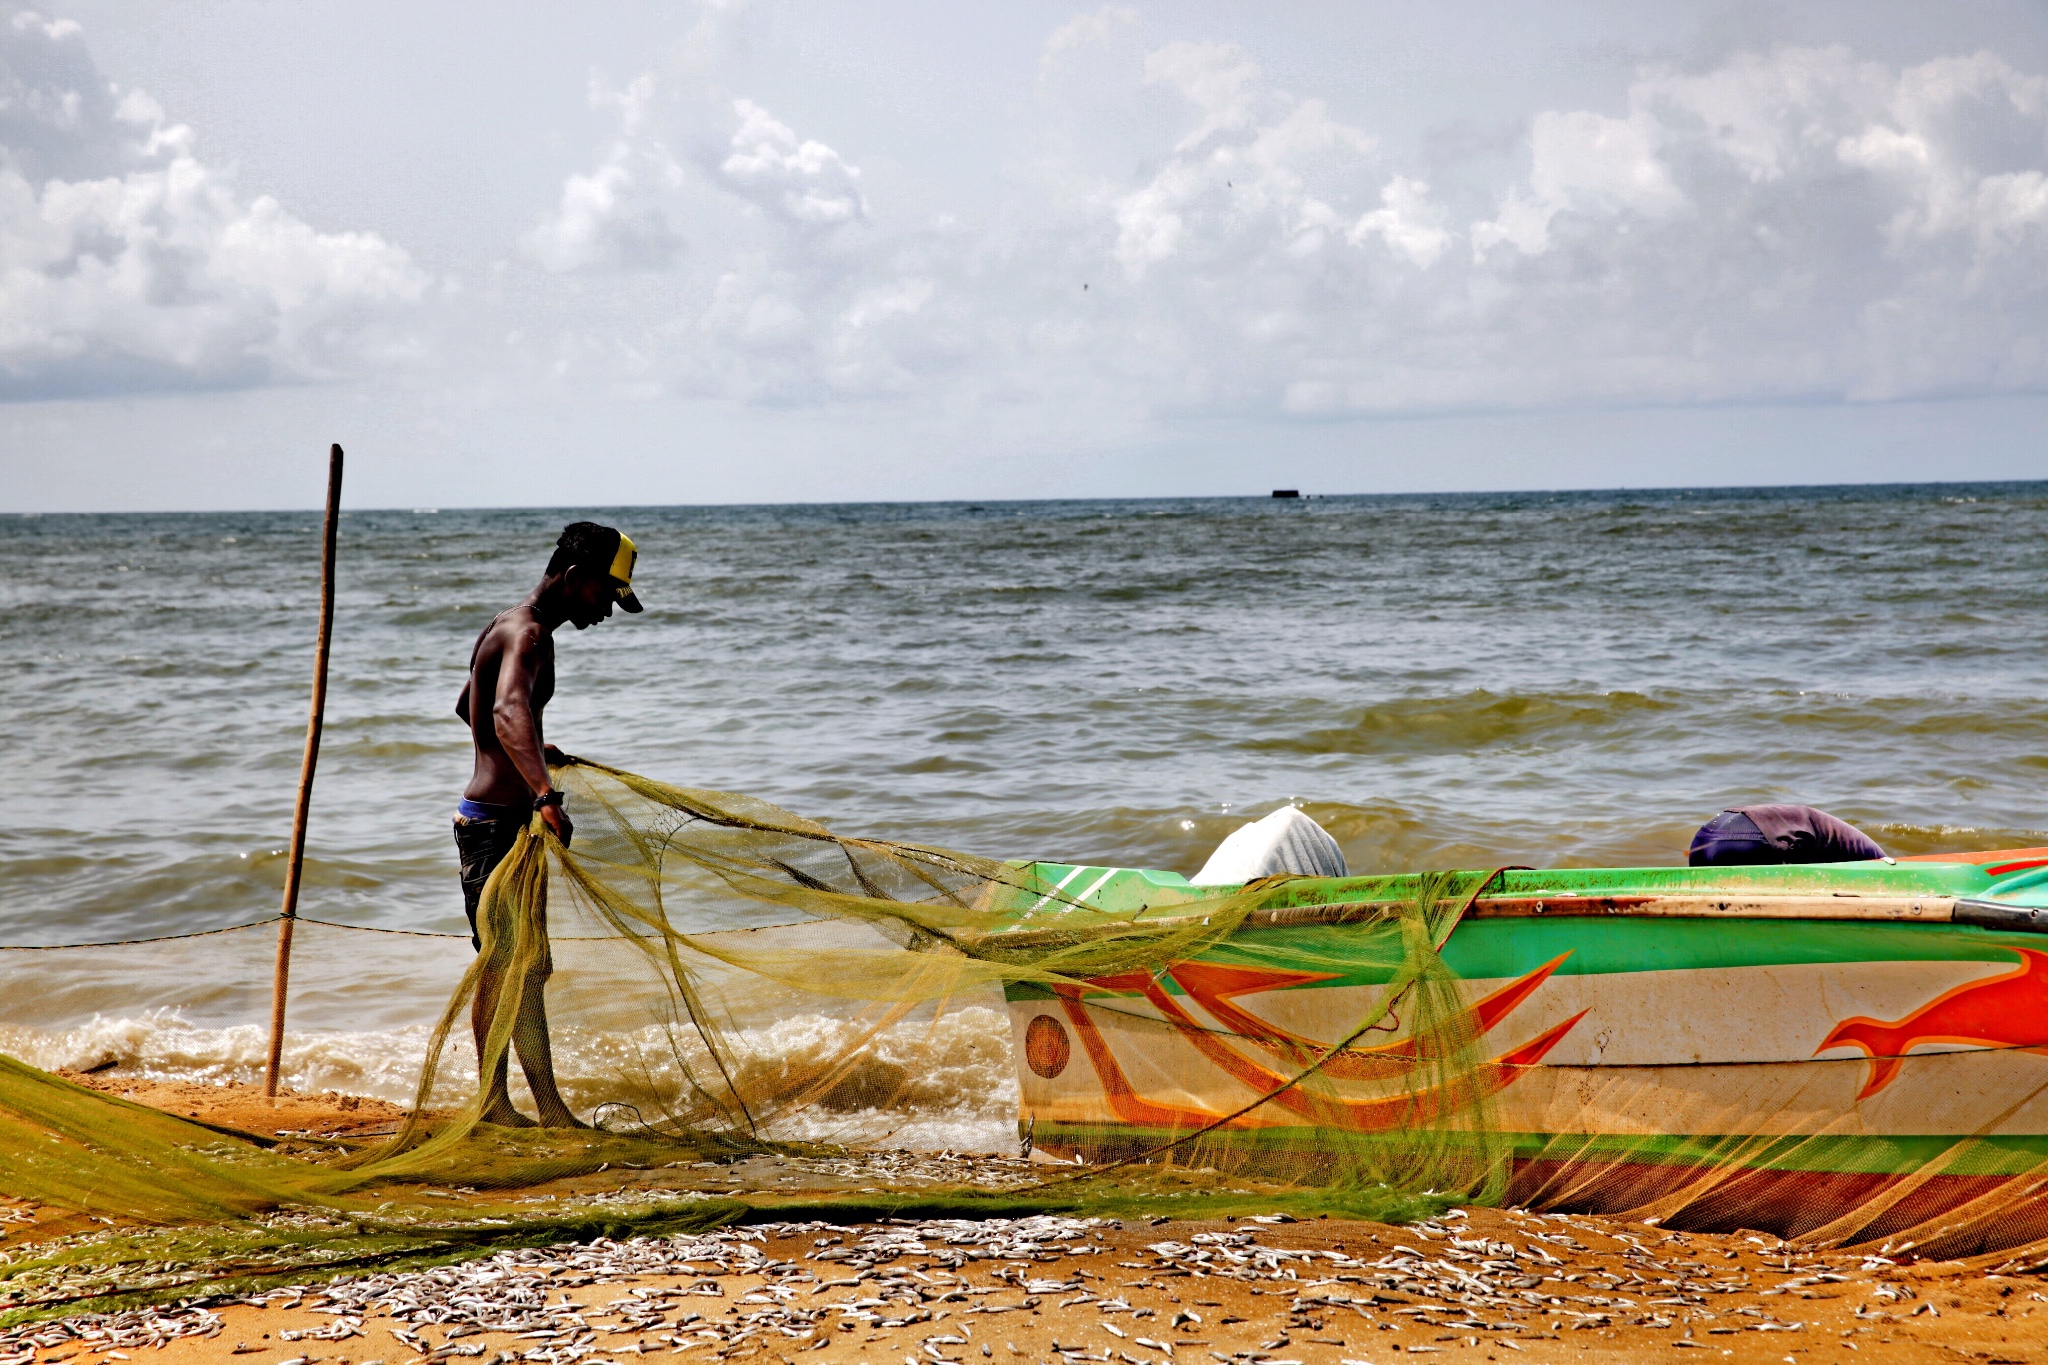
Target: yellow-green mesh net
[(886, 932), (863, 939)]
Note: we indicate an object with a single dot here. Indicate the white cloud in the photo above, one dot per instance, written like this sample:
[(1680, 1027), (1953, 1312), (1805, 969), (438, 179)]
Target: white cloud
[(1220, 79), (1168, 231), (791, 296), (801, 181), (126, 262), (28, 21), (1800, 223), (1581, 160), (1244, 177), (612, 217), (1408, 221), (903, 298), (1086, 30)]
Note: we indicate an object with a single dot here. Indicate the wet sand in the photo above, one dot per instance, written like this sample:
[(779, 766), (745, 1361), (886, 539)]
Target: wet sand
[(246, 1109), (1474, 1284)]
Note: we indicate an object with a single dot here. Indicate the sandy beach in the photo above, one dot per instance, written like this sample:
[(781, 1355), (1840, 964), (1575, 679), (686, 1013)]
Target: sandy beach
[(1473, 1283), (1477, 1283)]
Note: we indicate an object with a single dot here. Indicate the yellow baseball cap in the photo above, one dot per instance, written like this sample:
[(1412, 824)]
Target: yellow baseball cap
[(622, 572)]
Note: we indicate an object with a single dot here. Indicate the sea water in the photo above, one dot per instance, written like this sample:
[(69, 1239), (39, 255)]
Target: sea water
[(1546, 679)]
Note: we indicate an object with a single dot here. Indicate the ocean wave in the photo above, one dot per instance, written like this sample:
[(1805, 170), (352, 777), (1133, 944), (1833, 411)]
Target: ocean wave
[(1477, 719), (925, 1082), (1908, 840), (161, 1045), (2014, 721)]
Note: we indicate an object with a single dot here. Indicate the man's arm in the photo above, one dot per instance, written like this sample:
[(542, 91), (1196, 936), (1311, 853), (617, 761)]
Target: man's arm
[(462, 703), (513, 719)]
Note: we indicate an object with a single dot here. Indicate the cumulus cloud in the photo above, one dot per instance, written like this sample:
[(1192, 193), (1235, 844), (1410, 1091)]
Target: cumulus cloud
[(791, 298), (1408, 221), (1218, 79), (1579, 159), (799, 180), (1169, 230), (1792, 224), (1085, 30), (127, 262), (1181, 234), (818, 307), (1243, 180), (612, 217)]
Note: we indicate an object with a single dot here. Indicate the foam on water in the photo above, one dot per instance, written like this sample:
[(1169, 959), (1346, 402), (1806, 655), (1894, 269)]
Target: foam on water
[(161, 1045), (925, 1084)]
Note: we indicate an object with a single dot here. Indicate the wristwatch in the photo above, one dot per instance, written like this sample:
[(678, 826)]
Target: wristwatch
[(553, 798)]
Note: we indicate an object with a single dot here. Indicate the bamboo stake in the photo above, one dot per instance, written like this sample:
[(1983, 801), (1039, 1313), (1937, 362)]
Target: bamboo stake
[(282, 979)]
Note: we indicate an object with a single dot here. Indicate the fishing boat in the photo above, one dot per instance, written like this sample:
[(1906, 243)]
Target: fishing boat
[(1854, 1052)]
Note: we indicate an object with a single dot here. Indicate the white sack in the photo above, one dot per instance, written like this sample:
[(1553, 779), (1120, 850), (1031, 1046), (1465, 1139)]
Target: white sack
[(1285, 841)]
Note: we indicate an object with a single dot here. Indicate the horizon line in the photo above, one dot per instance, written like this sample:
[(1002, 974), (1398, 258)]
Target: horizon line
[(1301, 495)]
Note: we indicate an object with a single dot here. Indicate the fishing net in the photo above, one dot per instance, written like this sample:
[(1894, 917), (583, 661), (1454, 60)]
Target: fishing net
[(733, 978), (885, 953), (880, 935)]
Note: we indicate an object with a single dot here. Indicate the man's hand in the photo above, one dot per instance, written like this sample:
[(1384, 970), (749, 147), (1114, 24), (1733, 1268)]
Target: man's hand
[(556, 758), (558, 820)]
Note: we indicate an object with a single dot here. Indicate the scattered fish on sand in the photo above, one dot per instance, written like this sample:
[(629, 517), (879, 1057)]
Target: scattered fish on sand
[(1088, 1291)]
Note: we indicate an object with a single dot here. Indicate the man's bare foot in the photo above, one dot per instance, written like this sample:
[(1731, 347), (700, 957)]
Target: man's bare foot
[(505, 1116)]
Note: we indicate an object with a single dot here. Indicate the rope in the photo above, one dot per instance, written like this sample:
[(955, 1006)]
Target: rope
[(126, 942), (303, 919), (230, 929), (379, 929)]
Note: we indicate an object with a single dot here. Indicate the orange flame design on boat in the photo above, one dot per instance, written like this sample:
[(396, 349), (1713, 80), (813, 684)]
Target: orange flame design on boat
[(1213, 986), (2009, 1011)]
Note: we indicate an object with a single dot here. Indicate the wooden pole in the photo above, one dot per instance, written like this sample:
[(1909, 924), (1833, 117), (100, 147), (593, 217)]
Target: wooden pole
[(282, 979)]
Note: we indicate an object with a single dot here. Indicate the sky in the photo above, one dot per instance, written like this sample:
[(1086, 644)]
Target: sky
[(761, 251)]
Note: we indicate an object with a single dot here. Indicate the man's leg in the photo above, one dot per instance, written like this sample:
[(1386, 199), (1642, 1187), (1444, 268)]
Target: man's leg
[(497, 1099), (530, 1037), (482, 845), (536, 1052)]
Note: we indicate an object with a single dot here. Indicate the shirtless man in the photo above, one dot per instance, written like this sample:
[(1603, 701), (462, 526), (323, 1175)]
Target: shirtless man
[(511, 679)]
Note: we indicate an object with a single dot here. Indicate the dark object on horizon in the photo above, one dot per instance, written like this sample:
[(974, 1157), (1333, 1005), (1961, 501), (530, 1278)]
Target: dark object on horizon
[(1287, 492), (1759, 836)]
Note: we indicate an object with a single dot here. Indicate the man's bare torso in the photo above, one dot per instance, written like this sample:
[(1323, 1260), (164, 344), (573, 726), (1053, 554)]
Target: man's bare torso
[(515, 640)]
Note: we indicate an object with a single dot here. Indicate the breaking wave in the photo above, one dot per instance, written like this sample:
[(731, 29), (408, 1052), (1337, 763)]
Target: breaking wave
[(924, 1083)]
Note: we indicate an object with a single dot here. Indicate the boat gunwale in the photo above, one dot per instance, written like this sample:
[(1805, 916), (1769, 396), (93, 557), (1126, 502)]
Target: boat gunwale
[(1842, 906), (1835, 906)]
